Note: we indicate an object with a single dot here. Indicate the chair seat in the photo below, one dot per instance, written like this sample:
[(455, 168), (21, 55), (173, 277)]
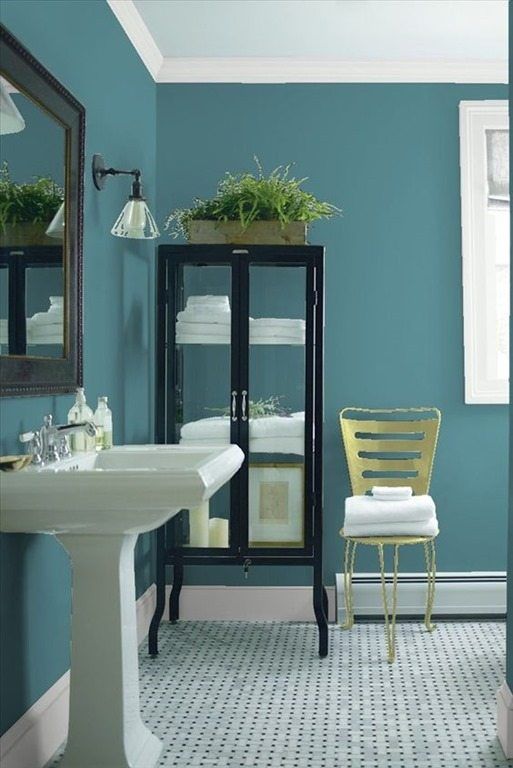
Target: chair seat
[(394, 540)]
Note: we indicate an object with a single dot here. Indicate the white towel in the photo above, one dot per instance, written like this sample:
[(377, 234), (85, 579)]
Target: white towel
[(203, 329), (280, 322), (287, 445), (389, 492), (213, 301), (421, 528), (363, 510), (266, 426), (205, 315)]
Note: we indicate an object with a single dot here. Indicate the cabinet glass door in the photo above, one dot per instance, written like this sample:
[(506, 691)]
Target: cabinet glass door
[(276, 402), (199, 399)]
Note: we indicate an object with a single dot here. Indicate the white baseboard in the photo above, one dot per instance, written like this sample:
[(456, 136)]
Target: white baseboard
[(210, 603), (505, 719), (33, 739), (457, 594)]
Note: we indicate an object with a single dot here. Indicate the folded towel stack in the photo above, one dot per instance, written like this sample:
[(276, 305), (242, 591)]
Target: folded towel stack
[(407, 516), (268, 434), (207, 319), (43, 327)]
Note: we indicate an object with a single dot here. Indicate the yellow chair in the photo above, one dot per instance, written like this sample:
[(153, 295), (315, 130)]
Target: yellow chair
[(380, 444)]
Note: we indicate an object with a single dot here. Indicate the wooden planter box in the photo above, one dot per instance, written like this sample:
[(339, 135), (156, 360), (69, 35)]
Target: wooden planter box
[(258, 233), (24, 234)]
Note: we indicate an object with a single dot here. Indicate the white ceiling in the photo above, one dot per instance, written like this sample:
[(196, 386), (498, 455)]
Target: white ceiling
[(340, 29), (269, 40)]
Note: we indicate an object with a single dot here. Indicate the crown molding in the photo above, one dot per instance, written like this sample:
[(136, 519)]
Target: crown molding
[(292, 70), (138, 34)]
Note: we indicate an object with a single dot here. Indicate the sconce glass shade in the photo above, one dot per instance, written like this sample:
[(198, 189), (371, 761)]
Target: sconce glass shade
[(56, 226), (136, 222), (11, 120)]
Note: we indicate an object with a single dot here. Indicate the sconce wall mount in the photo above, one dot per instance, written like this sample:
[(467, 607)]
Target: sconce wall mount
[(135, 221)]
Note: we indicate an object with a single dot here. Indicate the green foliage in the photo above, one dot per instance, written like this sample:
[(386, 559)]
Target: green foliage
[(269, 406), (246, 198), (33, 203)]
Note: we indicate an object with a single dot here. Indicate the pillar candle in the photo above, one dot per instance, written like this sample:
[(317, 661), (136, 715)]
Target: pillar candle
[(198, 526), (218, 532)]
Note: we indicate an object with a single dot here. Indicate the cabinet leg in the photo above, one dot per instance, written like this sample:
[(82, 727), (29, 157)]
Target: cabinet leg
[(320, 604), (153, 633), (174, 597)]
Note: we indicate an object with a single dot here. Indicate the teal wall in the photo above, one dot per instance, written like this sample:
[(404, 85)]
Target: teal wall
[(388, 155), (83, 45)]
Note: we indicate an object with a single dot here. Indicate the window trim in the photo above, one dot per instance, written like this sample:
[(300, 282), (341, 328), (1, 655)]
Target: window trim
[(475, 118)]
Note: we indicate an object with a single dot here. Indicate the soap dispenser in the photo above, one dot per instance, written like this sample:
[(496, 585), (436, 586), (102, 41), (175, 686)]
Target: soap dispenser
[(103, 423), (80, 411)]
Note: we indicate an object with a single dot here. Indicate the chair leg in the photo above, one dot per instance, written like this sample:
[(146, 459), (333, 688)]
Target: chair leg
[(389, 619), (349, 557), (429, 552)]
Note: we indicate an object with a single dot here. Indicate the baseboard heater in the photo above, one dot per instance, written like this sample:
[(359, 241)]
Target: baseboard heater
[(474, 594)]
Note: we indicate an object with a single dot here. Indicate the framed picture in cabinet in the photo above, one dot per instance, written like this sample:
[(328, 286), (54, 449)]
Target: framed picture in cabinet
[(276, 505)]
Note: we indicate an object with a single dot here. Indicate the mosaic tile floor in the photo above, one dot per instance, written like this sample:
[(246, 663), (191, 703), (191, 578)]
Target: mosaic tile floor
[(240, 695)]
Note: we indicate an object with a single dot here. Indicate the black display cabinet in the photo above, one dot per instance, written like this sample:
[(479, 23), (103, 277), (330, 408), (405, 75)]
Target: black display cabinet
[(239, 358)]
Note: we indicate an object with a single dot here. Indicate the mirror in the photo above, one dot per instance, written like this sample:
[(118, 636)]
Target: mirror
[(41, 175)]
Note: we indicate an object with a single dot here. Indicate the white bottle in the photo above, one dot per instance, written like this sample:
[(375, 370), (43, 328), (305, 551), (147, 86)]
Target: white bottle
[(80, 411), (103, 422)]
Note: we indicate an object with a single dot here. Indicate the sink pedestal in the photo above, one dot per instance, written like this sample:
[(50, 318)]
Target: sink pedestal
[(105, 726)]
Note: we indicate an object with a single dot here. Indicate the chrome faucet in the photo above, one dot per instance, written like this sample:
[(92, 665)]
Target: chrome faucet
[(50, 443)]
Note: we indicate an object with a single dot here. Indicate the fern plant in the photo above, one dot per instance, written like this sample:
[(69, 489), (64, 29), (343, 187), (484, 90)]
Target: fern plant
[(257, 409), (246, 198), (35, 202)]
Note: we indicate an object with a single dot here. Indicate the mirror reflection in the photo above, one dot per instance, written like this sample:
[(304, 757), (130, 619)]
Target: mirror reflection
[(32, 179)]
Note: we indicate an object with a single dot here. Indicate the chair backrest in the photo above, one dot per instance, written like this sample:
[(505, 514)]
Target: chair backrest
[(390, 446)]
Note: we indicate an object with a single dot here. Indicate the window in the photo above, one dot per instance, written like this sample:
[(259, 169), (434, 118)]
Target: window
[(484, 163)]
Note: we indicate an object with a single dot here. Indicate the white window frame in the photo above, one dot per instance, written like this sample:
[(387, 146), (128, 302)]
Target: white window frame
[(475, 118)]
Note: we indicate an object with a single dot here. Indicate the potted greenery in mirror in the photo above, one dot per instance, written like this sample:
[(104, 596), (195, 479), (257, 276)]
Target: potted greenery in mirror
[(26, 210), (250, 208)]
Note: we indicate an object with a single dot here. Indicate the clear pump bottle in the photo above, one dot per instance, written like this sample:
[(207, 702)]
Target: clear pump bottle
[(103, 422), (80, 411)]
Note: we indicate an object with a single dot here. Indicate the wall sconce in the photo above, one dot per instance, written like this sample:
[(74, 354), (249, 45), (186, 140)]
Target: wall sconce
[(135, 220), (11, 120)]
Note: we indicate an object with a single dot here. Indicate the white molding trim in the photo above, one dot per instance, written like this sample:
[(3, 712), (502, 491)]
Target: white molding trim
[(296, 70), (138, 34), (475, 118), (37, 735), (464, 594), (505, 719)]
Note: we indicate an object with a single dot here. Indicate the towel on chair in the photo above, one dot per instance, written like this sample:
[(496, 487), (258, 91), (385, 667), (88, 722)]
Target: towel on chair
[(389, 492), (419, 528), (366, 510)]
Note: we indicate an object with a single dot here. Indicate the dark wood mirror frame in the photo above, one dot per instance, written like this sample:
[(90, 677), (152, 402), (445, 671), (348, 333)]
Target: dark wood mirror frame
[(20, 375)]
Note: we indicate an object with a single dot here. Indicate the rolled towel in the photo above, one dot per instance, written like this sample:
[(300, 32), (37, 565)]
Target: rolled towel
[(366, 510), (389, 492), (420, 528), (282, 426)]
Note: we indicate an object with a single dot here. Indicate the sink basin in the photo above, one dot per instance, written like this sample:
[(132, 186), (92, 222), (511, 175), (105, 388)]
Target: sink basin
[(96, 505), (127, 489)]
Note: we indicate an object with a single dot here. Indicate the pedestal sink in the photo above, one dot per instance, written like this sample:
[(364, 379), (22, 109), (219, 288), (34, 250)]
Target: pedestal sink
[(97, 505)]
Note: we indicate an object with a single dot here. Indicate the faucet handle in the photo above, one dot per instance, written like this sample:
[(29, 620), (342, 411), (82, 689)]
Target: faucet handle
[(26, 437), (34, 445)]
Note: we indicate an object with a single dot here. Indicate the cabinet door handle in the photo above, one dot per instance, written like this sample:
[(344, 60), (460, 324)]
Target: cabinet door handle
[(244, 404), (234, 405)]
